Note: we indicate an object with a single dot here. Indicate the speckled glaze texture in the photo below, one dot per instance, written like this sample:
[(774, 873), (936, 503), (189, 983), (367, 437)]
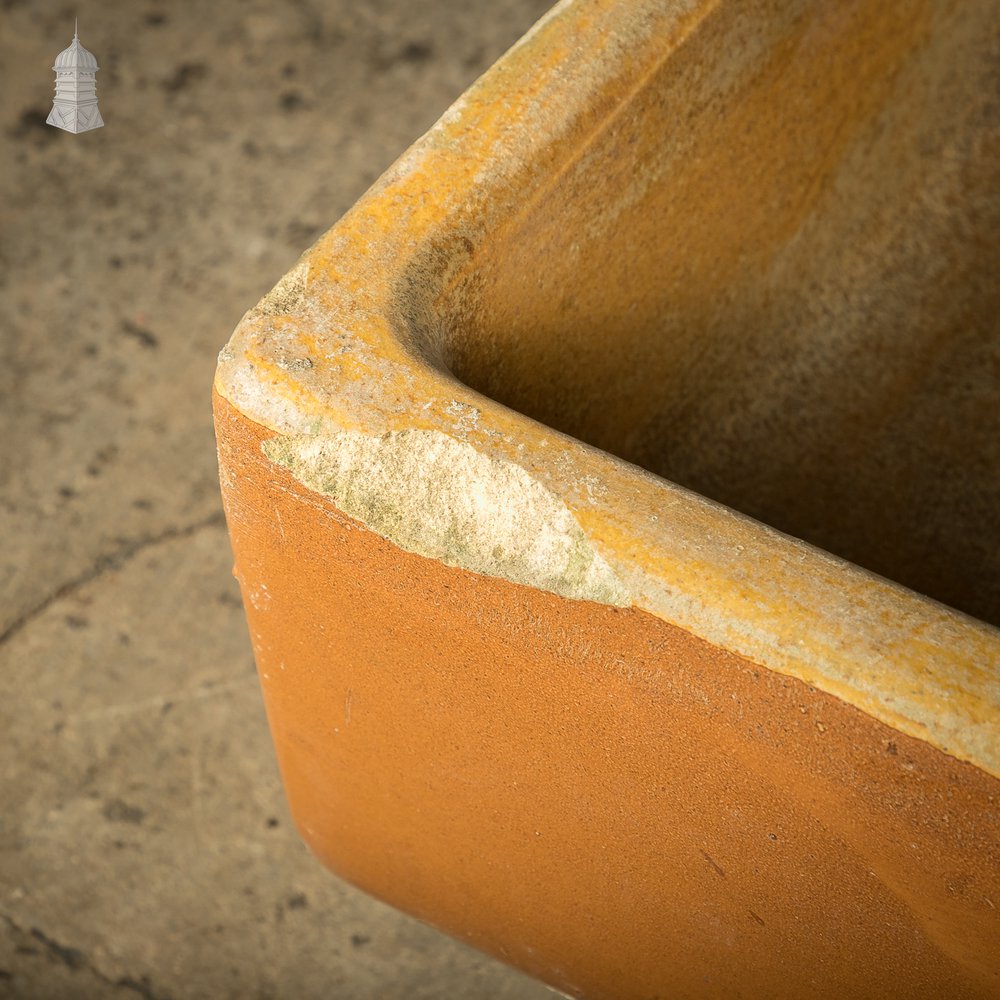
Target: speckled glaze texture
[(560, 474)]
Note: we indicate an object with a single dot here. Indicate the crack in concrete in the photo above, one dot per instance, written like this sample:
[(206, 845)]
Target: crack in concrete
[(165, 702), (106, 563), (76, 960)]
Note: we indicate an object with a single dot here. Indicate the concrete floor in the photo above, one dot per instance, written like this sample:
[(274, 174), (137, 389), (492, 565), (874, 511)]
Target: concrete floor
[(144, 843)]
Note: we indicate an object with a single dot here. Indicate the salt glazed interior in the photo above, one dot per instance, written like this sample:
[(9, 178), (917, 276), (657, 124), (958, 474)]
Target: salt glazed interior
[(614, 494)]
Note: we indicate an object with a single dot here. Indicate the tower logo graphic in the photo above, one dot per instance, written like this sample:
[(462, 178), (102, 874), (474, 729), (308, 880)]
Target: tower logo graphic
[(75, 106)]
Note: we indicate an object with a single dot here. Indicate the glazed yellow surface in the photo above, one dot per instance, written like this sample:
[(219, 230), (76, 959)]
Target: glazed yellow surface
[(747, 143)]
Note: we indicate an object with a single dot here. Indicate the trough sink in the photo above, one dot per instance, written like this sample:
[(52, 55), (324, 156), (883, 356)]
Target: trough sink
[(615, 497)]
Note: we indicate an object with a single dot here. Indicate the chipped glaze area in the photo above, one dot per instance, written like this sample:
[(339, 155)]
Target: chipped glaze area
[(439, 497)]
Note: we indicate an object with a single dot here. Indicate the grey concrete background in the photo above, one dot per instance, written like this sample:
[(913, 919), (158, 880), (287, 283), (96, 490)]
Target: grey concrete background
[(144, 844)]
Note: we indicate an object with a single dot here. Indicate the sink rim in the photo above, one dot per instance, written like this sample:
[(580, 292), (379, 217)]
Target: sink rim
[(347, 342)]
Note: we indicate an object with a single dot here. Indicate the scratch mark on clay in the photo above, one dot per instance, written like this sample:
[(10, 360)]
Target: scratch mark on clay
[(347, 707), (713, 863)]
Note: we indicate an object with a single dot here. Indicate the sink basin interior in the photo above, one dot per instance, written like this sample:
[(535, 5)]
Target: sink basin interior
[(769, 275)]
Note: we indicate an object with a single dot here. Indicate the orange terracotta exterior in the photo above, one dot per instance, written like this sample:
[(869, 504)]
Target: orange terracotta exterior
[(522, 682), (591, 793)]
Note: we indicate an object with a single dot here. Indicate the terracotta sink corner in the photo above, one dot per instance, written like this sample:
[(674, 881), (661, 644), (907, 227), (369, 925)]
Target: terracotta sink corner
[(615, 497)]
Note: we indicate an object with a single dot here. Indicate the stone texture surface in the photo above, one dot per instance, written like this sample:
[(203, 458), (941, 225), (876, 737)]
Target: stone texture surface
[(145, 848)]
